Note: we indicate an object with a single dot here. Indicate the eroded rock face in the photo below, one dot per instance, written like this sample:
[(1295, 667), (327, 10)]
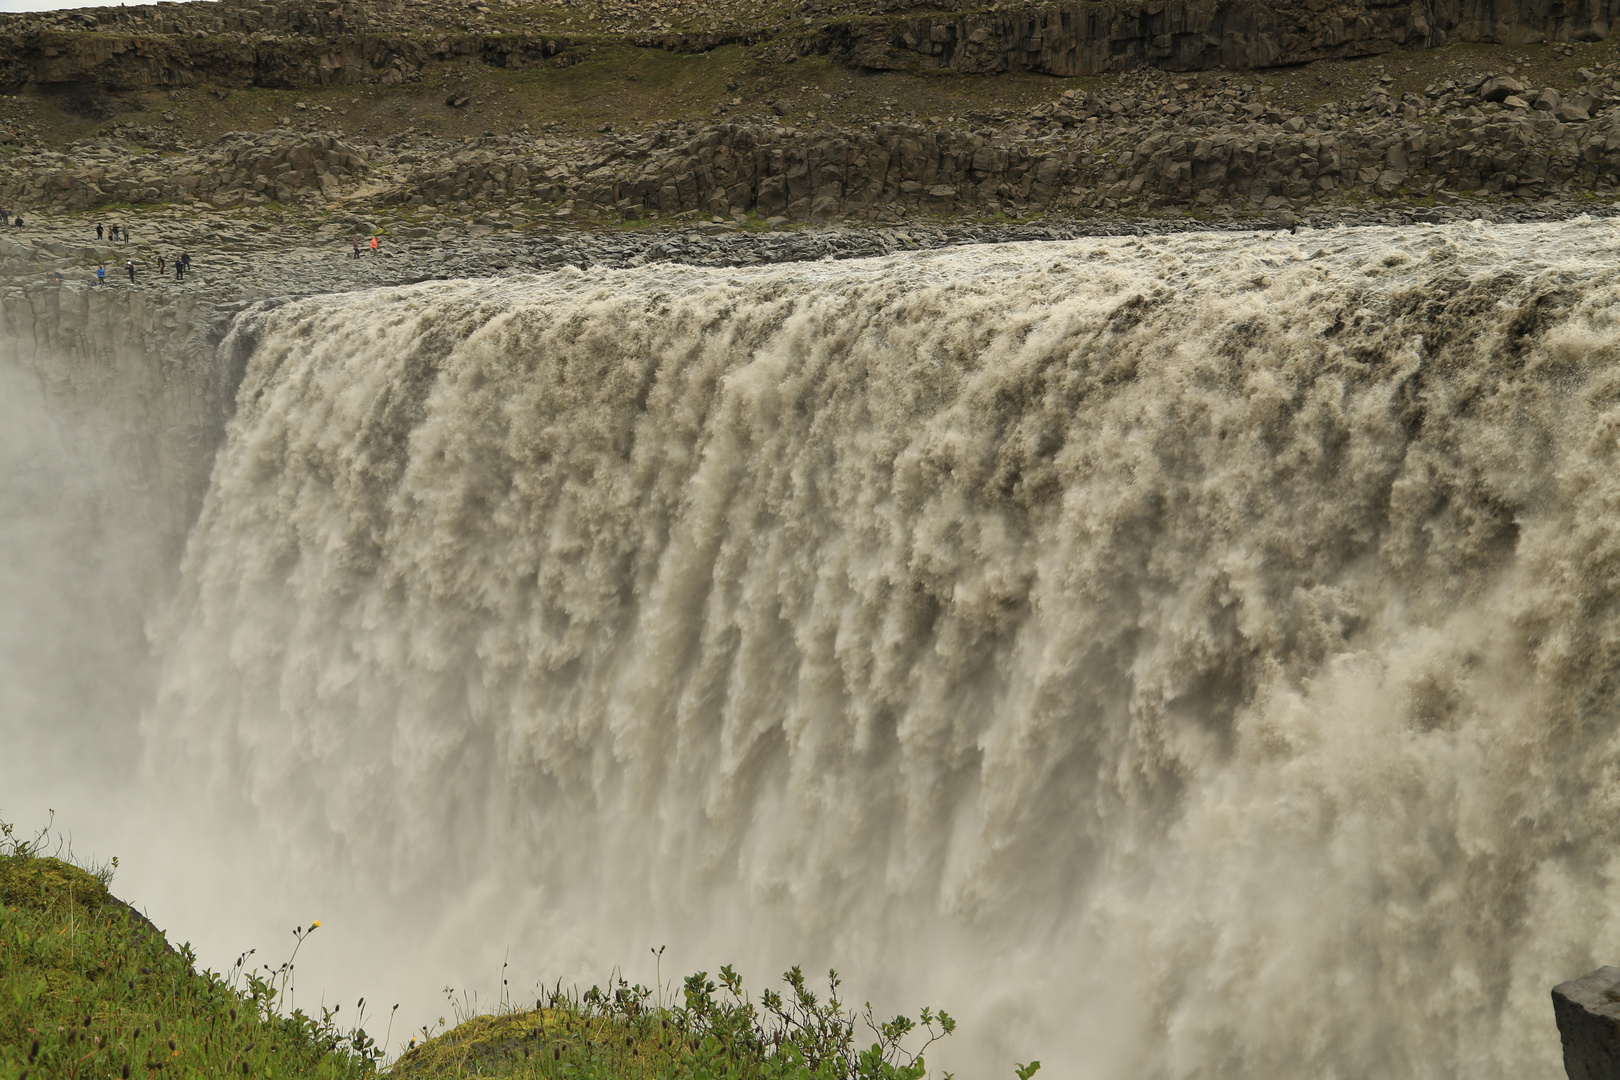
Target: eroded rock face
[(1588, 1012), (1187, 35), (277, 165), (291, 43)]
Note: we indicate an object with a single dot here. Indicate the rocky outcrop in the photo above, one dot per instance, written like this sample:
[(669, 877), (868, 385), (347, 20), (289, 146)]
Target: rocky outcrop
[(277, 165), (120, 63), (1108, 151), (1146, 142), (137, 374), (1588, 1012), (296, 43), (1187, 35)]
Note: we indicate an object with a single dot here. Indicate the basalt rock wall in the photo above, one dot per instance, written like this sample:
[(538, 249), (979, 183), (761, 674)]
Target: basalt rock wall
[(137, 385), (828, 175), (1187, 35), (292, 45), (124, 63)]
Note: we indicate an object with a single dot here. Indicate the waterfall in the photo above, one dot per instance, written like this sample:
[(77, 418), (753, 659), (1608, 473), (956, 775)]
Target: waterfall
[(1178, 657)]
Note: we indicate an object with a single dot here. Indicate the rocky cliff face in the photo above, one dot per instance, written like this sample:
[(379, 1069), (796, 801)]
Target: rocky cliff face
[(238, 43), (1227, 149), (138, 384), (1188, 35), (1142, 144), (276, 165)]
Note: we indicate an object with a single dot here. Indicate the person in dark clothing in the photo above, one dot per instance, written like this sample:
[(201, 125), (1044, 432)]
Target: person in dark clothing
[(185, 257), (356, 242), (162, 266), (112, 234), (179, 269), (5, 216), (130, 266), (125, 232), (98, 230), (17, 221)]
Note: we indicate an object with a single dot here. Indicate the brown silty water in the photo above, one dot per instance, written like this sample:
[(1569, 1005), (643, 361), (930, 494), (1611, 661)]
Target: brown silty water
[(1181, 657)]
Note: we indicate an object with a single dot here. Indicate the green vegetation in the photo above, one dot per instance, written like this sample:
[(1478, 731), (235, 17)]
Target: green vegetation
[(715, 1032), (90, 989)]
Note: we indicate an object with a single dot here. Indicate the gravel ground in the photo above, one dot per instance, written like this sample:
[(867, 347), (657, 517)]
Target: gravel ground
[(241, 266)]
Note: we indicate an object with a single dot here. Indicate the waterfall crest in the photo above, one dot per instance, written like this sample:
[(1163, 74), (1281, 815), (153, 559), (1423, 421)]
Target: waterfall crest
[(1187, 657)]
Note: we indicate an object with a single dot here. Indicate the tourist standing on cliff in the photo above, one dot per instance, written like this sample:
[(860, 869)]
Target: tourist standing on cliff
[(101, 274), (179, 269), (130, 266), (125, 234), (112, 234), (5, 216), (355, 241), (374, 243), (98, 230), (162, 266), (17, 221), (185, 259)]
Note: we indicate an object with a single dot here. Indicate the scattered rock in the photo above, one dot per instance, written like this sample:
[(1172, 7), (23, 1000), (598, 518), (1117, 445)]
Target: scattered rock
[(1500, 87)]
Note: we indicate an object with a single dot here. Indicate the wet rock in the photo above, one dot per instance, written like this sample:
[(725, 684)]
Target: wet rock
[(1588, 1013)]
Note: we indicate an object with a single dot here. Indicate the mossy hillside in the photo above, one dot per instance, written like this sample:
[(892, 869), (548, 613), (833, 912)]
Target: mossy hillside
[(89, 988)]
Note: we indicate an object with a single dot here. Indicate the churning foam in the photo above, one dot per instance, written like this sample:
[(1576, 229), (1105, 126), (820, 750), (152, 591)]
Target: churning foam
[(1186, 657)]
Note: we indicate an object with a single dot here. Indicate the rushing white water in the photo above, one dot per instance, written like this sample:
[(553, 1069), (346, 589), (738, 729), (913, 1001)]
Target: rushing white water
[(1190, 657)]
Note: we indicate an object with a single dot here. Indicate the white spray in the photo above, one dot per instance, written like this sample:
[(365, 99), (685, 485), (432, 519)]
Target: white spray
[(1180, 658)]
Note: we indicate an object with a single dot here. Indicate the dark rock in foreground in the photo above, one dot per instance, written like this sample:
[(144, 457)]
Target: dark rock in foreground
[(1588, 1011)]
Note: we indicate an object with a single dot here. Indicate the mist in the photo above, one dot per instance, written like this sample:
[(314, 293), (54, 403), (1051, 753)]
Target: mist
[(1173, 657)]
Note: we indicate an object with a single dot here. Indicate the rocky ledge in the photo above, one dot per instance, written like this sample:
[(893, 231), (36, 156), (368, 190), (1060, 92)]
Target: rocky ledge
[(293, 43), (1147, 143)]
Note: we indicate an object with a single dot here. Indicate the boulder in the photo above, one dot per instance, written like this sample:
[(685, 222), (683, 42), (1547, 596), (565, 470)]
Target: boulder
[(1548, 100), (1500, 87), (1588, 1013)]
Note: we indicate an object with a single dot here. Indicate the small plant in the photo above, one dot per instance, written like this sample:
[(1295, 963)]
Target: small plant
[(710, 1029), (92, 990)]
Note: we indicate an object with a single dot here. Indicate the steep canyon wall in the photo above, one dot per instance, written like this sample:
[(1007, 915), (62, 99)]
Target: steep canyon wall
[(112, 404), (237, 44)]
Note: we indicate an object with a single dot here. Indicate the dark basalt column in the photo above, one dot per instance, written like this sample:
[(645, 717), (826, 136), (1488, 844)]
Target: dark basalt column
[(1588, 1011)]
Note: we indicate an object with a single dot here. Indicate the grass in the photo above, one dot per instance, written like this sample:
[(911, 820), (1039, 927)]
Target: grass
[(90, 989)]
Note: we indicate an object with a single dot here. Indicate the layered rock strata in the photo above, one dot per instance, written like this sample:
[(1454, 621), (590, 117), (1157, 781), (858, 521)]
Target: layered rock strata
[(1193, 35), (1143, 145), (239, 43), (277, 165)]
